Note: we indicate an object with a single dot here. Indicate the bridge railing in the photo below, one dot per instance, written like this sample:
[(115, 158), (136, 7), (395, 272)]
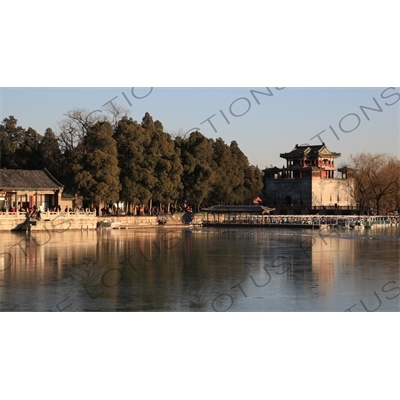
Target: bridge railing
[(47, 214)]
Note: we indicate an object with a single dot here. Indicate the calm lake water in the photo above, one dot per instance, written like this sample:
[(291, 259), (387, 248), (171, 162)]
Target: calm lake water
[(201, 269)]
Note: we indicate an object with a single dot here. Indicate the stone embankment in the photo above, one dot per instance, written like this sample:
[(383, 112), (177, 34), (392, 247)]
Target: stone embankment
[(51, 220), (60, 221)]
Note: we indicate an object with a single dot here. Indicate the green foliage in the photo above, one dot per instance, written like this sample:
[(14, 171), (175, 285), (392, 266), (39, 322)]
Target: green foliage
[(235, 181), (253, 183), (198, 163), (224, 171), (135, 174), (50, 154), (95, 165), (27, 154), (116, 158), (163, 162), (11, 136)]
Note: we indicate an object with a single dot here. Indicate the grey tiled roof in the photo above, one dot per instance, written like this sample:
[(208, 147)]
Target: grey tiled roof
[(311, 152), (22, 179), (257, 209)]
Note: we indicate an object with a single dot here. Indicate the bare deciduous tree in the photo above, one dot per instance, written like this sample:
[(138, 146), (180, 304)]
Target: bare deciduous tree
[(375, 180), (74, 127), (115, 112)]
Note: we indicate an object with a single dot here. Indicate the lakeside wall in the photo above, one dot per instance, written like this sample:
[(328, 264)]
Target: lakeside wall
[(60, 221), (51, 220)]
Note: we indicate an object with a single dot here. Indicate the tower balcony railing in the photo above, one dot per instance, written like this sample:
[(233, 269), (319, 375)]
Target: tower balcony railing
[(279, 178)]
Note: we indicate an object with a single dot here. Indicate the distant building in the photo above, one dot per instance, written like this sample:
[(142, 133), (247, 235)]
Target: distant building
[(309, 181), (70, 201), (21, 188)]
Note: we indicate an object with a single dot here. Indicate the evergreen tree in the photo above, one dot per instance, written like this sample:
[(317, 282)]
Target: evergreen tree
[(50, 154), (240, 162), (27, 155), (11, 136), (138, 163), (253, 183), (131, 144), (235, 181), (150, 155), (167, 164), (222, 185), (198, 165), (95, 165)]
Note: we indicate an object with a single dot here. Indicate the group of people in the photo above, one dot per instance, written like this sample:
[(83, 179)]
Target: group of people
[(21, 208), (79, 209), (162, 210), (106, 211), (33, 212), (35, 209)]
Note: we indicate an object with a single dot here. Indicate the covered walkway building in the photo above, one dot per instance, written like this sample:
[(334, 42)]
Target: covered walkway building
[(28, 188)]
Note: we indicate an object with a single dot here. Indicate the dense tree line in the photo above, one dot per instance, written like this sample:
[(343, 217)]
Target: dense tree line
[(115, 158), (374, 182)]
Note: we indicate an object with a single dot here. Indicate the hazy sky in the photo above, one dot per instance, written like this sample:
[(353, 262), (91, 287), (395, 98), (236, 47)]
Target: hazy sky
[(264, 122)]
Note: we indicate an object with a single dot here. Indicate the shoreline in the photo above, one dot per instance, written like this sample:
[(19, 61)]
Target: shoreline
[(81, 221)]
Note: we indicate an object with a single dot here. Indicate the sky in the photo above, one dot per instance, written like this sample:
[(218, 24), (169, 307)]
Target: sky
[(265, 121)]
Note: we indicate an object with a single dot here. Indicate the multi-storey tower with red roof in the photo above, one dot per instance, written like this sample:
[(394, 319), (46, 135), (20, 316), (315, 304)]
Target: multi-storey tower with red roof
[(309, 181)]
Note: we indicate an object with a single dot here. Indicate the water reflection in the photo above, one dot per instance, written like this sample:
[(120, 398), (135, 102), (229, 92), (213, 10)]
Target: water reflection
[(200, 270)]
